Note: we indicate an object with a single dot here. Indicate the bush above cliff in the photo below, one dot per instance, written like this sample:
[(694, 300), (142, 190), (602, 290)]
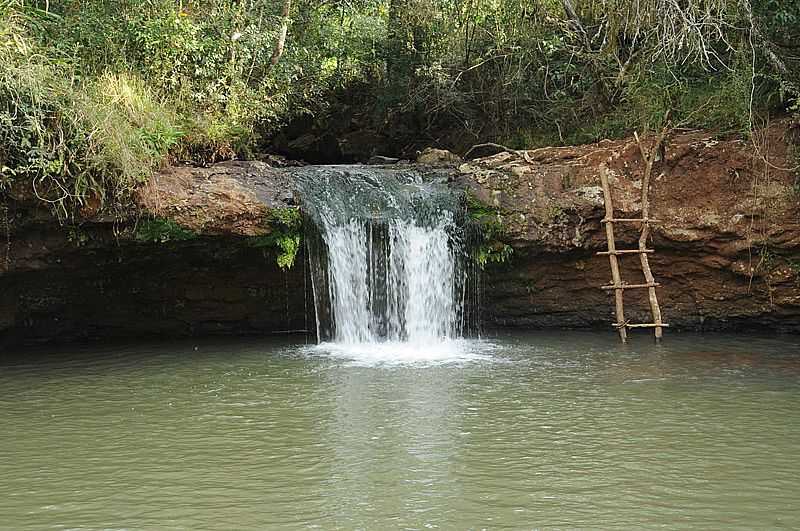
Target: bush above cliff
[(95, 95)]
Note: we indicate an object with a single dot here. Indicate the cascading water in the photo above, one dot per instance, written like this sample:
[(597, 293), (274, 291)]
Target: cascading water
[(387, 255)]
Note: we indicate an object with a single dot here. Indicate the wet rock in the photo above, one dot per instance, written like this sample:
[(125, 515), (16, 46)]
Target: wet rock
[(289, 198), (434, 156)]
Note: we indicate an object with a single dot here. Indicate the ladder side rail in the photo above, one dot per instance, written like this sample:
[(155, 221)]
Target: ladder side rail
[(612, 258), (649, 159)]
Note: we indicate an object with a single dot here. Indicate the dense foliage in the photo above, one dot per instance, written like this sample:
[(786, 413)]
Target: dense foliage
[(96, 94)]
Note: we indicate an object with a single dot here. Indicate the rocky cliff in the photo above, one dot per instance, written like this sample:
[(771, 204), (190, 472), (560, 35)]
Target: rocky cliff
[(727, 249), (198, 254)]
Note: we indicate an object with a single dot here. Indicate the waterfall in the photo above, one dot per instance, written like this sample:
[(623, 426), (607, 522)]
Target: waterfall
[(386, 249)]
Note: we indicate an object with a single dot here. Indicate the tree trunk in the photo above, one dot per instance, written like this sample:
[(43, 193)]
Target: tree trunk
[(281, 43)]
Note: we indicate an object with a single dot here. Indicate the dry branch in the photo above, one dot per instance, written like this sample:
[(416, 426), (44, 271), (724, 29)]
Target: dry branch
[(523, 154)]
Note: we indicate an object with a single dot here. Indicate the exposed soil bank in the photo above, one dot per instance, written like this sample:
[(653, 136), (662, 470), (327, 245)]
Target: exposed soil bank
[(199, 260)]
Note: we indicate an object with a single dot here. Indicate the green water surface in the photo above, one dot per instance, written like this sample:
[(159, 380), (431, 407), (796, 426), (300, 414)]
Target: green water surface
[(541, 431)]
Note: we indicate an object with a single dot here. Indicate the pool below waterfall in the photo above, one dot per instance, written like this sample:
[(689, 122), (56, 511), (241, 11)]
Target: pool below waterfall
[(544, 430)]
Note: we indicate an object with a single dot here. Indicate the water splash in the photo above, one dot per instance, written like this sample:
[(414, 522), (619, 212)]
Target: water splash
[(402, 353)]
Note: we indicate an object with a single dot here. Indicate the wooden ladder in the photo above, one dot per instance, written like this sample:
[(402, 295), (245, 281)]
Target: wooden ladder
[(614, 254)]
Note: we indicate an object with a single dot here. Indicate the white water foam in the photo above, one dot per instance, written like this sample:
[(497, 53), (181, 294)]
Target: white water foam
[(402, 353)]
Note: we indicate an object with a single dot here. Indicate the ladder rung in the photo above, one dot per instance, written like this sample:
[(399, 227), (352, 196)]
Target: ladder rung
[(631, 286), (641, 325), (626, 251), (629, 220)]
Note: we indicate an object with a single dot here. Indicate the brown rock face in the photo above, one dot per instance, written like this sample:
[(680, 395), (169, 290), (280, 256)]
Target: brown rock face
[(207, 286), (230, 198), (727, 251), (201, 272)]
